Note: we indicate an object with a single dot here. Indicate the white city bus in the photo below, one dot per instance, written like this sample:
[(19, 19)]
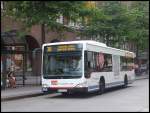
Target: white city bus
[(84, 66)]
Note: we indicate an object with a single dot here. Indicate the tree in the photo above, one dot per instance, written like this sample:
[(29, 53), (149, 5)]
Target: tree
[(108, 22), (138, 28), (114, 23), (44, 13)]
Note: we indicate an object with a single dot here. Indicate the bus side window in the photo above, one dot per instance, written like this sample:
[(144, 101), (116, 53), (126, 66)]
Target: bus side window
[(123, 63), (89, 60), (130, 63), (86, 65), (107, 63), (85, 61), (97, 61)]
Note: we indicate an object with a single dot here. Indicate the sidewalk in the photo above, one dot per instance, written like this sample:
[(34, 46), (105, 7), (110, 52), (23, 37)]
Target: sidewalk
[(143, 76), (31, 91), (20, 92)]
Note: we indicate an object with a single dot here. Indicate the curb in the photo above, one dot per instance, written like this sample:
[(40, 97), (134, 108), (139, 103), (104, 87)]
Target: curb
[(141, 78), (21, 96)]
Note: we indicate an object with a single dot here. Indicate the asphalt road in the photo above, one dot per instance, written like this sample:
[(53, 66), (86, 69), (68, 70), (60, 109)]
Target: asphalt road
[(135, 98)]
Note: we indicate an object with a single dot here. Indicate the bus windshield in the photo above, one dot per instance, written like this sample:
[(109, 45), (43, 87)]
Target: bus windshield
[(62, 65)]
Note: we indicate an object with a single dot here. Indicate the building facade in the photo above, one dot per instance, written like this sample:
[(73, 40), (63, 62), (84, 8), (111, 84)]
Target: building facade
[(25, 51)]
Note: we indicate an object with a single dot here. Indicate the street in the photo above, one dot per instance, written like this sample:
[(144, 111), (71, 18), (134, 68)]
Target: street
[(135, 98)]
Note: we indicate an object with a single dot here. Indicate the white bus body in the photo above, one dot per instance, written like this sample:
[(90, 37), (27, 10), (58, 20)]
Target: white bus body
[(53, 81)]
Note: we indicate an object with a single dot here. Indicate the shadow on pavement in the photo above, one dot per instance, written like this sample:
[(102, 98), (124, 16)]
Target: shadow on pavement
[(87, 95)]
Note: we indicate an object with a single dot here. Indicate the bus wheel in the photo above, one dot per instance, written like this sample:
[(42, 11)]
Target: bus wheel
[(101, 86), (125, 81)]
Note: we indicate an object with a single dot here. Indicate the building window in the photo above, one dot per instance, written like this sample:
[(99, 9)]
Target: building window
[(60, 19)]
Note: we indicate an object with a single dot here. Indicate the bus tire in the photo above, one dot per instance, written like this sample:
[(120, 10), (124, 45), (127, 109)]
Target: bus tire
[(125, 82), (101, 86)]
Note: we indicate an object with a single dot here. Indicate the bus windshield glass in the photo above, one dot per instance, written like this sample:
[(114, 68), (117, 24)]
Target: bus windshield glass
[(62, 62)]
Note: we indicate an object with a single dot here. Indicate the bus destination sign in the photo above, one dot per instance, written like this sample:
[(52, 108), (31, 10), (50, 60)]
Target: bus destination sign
[(61, 48)]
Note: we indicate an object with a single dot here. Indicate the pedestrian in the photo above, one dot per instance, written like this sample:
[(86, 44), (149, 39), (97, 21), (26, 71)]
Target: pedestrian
[(11, 80)]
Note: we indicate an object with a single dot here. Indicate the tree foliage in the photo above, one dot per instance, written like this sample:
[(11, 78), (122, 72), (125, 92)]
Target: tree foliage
[(138, 29), (111, 22), (44, 12), (115, 23)]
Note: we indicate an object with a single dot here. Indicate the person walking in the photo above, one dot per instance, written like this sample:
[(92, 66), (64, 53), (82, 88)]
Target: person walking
[(11, 80)]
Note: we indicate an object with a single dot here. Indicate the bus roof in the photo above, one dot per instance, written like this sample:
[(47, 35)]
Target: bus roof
[(80, 41), (88, 42)]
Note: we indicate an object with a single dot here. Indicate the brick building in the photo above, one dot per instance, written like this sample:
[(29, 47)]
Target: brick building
[(31, 42)]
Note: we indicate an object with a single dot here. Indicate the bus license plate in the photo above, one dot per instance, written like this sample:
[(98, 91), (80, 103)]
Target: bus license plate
[(62, 90)]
